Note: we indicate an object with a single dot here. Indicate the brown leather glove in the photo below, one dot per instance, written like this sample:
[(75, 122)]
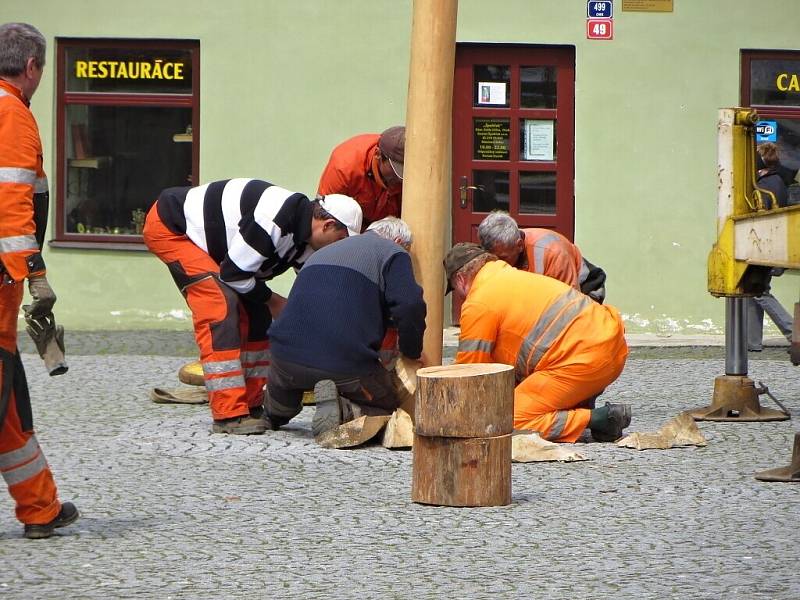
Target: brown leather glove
[(49, 340), (43, 297)]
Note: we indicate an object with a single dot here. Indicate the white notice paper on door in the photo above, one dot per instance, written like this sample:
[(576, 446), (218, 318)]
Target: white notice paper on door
[(539, 139), (491, 92)]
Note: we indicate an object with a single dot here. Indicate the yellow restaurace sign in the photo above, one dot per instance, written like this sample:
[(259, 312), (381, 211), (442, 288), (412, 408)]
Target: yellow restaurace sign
[(118, 69)]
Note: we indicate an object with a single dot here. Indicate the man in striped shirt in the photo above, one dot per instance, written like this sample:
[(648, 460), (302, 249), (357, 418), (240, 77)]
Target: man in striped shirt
[(221, 242)]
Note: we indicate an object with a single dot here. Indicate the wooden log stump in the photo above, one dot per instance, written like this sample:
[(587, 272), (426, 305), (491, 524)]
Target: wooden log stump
[(462, 442), (465, 401), (462, 471)]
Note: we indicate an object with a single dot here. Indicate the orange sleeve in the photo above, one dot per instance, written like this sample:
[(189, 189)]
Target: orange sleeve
[(333, 179), (560, 264), (20, 152), (479, 327)]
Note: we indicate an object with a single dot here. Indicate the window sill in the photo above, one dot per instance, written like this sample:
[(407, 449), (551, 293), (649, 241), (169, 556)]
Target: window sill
[(136, 247)]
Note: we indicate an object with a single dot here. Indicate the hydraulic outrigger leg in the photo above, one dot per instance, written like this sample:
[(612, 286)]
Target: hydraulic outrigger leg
[(735, 394)]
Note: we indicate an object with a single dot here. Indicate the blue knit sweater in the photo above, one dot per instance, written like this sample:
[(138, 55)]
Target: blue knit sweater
[(342, 302)]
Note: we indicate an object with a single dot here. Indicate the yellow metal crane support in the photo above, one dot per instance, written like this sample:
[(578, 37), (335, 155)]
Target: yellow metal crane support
[(751, 240)]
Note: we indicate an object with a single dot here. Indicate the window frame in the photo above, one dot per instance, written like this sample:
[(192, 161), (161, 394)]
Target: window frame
[(64, 98), (765, 110)]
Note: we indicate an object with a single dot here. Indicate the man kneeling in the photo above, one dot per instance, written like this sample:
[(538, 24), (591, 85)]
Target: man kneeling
[(329, 334), (565, 348)]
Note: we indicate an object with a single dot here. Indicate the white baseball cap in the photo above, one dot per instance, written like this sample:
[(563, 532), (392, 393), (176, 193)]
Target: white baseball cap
[(345, 210)]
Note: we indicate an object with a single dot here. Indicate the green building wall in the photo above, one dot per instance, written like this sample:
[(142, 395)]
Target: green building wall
[(283, 81)]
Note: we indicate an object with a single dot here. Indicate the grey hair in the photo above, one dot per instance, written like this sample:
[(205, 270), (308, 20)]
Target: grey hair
[(498, 229), (18, 43), (394, 229)]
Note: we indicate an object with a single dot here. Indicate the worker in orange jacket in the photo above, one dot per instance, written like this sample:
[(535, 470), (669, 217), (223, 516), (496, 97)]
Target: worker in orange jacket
[(542, 251), (565, 348), (369, 168), (23, 216)]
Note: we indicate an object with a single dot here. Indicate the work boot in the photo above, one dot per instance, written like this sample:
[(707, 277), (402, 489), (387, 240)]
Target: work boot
[(67, 515), (244, 425), (331, 409), (608, 422)]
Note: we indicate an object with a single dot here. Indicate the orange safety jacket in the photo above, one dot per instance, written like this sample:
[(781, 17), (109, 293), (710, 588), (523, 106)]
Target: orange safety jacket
[(547, 252), (531, 322), (23, 187), (352, 171)]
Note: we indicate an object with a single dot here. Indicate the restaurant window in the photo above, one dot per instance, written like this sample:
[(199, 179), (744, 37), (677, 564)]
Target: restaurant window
[(771, 85), (128, 116)]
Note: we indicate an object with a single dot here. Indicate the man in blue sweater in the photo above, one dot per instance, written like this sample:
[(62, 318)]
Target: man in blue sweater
[(329, 334)]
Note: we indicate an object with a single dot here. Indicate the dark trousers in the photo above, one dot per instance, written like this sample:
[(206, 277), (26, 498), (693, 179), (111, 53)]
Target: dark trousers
[(374, 392)]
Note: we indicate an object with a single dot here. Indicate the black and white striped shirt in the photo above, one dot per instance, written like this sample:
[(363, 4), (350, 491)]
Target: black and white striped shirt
[(252, 229)]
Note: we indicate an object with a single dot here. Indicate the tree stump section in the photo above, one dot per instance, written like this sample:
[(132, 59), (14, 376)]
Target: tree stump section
[(462, 442), (465, 401), (192, 373), (462, 471)]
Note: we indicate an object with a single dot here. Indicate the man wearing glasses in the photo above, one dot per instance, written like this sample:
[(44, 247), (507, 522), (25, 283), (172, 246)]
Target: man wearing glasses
[(369, 168), (221, 242)]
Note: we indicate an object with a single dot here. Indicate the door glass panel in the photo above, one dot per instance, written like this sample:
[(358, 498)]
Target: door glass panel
[(775, 82), (537, 139), (537, 193), (538, 87), (492, 192), (491, 139), (492, 85)]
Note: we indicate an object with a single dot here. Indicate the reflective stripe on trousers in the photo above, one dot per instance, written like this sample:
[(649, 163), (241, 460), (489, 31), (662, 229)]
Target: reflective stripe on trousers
[(255, 363), (23, 463), (550, 325), (558, 426)]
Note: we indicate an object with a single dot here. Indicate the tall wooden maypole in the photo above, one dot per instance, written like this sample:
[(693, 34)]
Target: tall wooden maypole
[(426, 184)]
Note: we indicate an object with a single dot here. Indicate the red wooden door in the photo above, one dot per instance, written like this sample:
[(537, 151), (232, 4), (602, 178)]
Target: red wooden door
[(513, 136)]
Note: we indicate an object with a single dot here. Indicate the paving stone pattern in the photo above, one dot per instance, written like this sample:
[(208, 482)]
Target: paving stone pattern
[(172, 511)]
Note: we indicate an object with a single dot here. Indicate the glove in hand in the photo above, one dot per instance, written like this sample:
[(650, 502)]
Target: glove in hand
[(49, 340), (43, 297)]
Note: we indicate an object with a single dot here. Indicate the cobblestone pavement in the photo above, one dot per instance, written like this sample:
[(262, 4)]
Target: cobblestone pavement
[(172, 511)]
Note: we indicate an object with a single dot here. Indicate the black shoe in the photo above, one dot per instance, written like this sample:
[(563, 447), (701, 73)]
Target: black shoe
[(67, 515), (619, 417)]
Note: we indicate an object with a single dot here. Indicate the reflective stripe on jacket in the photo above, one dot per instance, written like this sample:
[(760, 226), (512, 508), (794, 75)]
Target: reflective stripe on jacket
[(21, 179), (547, 252), (530, 321)]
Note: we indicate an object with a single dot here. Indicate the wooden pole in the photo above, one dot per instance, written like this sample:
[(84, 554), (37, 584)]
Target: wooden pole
[(426, 184)]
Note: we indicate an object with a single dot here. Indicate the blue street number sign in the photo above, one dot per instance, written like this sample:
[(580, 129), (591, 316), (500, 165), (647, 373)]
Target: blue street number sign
[(599, 10), (766, 131)]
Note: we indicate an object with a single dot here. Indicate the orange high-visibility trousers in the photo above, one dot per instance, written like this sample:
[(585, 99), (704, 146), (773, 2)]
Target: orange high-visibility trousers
[(231, 334), (546, 400), (22, 462)]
